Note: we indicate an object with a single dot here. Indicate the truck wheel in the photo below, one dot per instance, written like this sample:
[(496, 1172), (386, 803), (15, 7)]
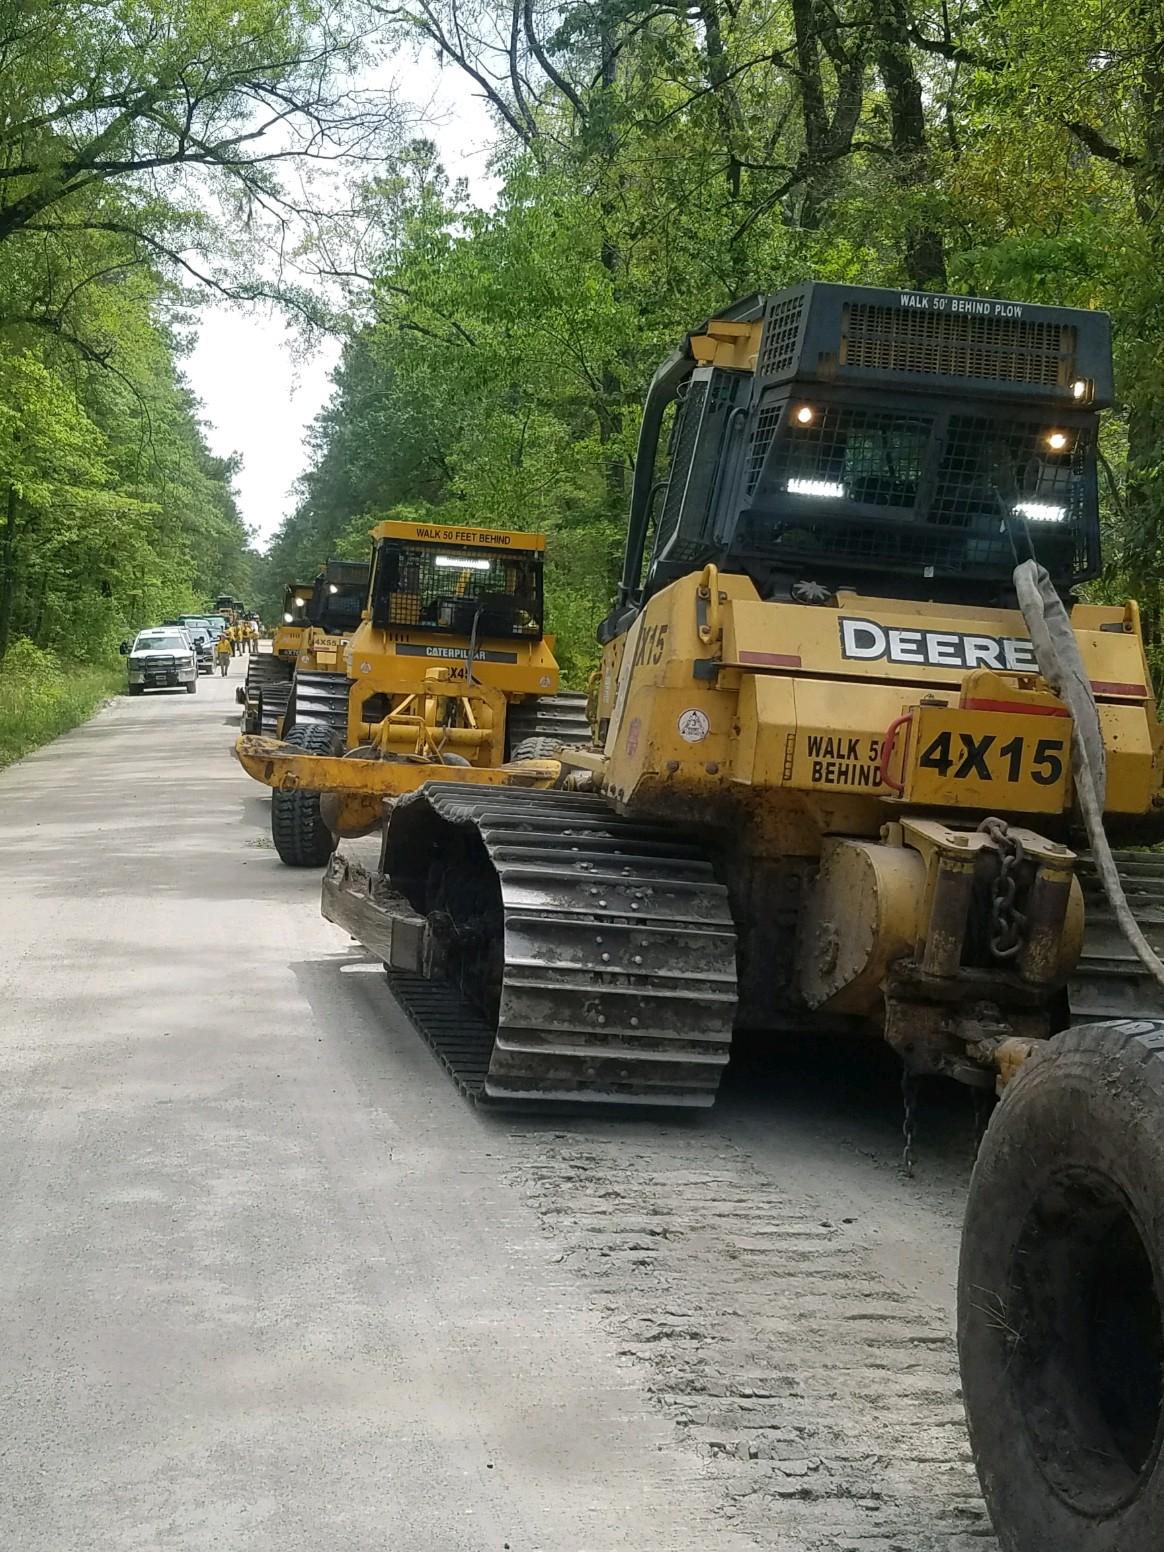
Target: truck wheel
[(301, 837), (1061, 1296), (137, 689), (192, 687)]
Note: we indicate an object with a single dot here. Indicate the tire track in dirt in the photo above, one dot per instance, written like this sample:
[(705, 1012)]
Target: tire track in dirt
[(820, 1396)]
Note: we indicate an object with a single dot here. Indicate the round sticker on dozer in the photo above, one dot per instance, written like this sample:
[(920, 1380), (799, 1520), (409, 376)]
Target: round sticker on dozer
[(693, 726)]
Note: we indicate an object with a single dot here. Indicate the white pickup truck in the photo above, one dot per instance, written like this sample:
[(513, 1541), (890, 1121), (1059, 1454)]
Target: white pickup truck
[(164, 655)]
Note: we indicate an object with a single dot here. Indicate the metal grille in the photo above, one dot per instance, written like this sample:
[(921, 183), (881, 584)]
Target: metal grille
[(765, 429), (444, 587), (942, 344), (781, 335), (874, 457), (940, 494), (986, 467)]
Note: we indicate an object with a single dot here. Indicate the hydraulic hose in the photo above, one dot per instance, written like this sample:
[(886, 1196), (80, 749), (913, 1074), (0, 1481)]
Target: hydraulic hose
[(1061, 665)]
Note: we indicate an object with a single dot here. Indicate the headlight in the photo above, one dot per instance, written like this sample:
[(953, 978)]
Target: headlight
[(828, 488), (287, 618), (1040, 511)]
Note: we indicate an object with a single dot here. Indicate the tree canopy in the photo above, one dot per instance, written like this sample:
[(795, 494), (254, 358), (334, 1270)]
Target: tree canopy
[(656, 160), (147, 152)]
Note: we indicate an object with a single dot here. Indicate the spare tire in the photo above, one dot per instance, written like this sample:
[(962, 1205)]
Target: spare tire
[(301, 837), (1061, 1296)]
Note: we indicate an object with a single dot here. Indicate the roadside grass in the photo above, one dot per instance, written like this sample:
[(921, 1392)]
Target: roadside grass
[(41, 697)]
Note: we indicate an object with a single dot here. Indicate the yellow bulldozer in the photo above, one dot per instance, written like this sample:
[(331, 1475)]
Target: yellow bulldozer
[(303, 681), (263, 694), (448, 668), (855, 767)]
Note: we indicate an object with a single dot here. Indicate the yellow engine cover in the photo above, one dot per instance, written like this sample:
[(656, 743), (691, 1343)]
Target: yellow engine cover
[(723, 707)]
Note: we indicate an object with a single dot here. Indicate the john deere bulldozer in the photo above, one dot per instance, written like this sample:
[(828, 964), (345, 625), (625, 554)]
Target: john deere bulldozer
[(447, 667), (855, 768)]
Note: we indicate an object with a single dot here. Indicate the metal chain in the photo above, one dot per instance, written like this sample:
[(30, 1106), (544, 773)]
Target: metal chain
[(909, 1088), (1007, 924)]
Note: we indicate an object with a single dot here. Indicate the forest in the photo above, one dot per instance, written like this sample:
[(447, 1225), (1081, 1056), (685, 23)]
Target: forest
[(651, 162), (151, 156), (654, 161)]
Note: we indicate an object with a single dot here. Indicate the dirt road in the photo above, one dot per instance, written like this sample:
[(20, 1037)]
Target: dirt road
[(267, 1283)]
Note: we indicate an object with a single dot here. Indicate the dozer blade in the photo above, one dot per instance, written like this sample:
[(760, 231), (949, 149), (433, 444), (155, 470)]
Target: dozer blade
[(1109, 981), (609, 947), (287, 768)]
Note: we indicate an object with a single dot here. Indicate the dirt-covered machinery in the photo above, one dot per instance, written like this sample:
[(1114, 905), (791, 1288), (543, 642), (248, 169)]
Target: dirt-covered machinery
[(448, 668), (855, 767)]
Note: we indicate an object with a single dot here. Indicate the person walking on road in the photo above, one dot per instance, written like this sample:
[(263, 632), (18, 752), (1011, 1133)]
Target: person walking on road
[(224, 651)]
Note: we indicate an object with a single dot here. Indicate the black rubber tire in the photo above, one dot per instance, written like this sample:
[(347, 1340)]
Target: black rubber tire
[(301, 837), (136, 689), (537, 749), (1061, 1297), (192, 687)]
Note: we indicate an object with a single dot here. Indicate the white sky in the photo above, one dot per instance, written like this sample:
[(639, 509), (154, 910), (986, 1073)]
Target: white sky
[(258, 392)]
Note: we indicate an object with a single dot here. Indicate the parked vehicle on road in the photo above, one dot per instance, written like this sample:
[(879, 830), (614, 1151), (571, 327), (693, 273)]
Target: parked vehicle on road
[(163, 656)]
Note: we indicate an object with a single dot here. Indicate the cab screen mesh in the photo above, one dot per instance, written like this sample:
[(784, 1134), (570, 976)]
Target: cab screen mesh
[(955, 493), (444, 587)]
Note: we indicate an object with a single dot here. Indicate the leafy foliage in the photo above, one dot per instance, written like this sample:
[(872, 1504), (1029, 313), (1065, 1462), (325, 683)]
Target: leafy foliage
[(41, 697), (144, 148), (656, 161)]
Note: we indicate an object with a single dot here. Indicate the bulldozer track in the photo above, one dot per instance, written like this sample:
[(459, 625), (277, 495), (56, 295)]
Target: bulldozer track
[(273, 700), (617, 983), (561, 717), (265, 691), (1109, 981), (458, 1037), (320, 695)]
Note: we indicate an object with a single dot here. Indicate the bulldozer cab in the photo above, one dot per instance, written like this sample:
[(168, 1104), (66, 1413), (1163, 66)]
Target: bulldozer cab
[(296, 598), (457, 582), (833, 437), (337, 597)]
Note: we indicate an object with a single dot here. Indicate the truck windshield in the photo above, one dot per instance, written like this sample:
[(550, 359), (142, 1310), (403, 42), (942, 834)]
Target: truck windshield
[(163, 641)]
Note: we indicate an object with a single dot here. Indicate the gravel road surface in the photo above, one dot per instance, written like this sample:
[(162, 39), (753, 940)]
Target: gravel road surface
[(269, 1285)]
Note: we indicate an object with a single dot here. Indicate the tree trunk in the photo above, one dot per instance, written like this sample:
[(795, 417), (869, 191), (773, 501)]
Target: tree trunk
[(8, 571), (1145, 499), (925, 258)]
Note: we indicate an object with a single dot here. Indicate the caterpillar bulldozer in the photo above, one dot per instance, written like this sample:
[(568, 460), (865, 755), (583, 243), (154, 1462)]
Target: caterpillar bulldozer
[(855, 768), (263, 694), (448, 668), (303, 681)]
